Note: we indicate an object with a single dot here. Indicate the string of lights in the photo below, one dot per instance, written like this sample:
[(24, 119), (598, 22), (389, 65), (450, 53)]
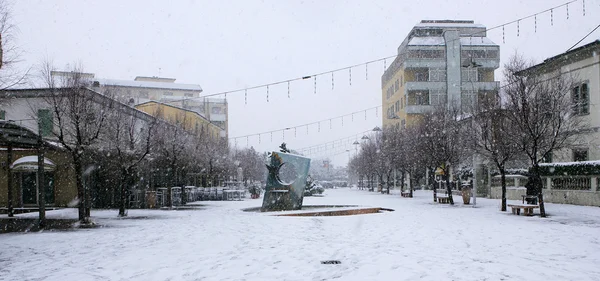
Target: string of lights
[(318, 123), (348, 139), (384, 59)]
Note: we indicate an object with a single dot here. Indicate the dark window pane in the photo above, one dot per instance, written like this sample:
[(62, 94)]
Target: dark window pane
[(45, 122)]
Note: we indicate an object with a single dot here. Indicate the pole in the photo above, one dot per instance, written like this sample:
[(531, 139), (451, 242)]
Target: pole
[(475, 178), (41, 181), (9, 181)]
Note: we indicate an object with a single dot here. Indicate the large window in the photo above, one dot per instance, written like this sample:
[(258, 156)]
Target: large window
[(437, 75), (580, 154), (467, 101), (581, 99), (469, 74), (426, 54), (418, 97), (421, 74), (479, 54), (487, 99), (2, 114), (438, 97)]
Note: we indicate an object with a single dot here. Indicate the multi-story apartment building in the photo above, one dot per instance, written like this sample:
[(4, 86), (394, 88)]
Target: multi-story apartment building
[(439, 63), (189, 120), (583, 66), (143, 89)]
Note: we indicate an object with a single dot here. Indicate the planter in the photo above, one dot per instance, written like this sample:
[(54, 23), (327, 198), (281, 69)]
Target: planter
[(466, 195)]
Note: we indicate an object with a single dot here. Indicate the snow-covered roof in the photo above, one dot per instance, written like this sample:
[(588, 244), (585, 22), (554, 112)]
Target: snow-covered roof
[(449, 24), (30, 163), (476, 41), (467, 41), (426, 41), (149, 84)]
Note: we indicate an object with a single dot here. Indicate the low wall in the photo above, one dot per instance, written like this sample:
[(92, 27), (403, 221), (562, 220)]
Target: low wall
[(575, 197)]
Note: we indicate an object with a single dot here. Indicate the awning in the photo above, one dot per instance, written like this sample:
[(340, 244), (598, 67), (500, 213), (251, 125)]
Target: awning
[(30, 164)]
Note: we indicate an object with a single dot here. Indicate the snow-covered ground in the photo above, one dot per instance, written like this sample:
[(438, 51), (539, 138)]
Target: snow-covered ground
[(421, 240)]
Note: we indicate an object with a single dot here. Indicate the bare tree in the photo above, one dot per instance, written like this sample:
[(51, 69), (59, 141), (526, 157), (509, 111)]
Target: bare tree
[(170, 146), (541, 114), (10, 76), (79, 117), (128, 135), (252, 164), (441, 137), (490, 132)]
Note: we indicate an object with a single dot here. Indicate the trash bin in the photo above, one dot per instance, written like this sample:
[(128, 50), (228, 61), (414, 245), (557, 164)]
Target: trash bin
[(151, 199), (466, 195)]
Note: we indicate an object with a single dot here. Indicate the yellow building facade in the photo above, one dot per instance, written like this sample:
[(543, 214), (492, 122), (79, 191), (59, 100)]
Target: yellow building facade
[(190, 120)]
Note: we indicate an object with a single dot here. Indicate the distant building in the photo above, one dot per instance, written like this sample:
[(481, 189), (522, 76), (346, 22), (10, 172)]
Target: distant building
[(143, 89), (440, 62), (190, 120), (582, 64), (32, 110)]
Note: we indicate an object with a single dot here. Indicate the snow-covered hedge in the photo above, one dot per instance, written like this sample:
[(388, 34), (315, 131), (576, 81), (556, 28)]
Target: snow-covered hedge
[(570, 168)]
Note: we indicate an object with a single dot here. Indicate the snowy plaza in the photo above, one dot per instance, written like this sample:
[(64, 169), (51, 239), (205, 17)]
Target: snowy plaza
[(420, 240)]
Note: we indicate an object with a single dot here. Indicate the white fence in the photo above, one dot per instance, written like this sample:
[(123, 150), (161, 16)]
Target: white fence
[(576, 190)]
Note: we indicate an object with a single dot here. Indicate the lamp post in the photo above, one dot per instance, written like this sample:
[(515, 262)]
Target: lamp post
[(471, 64)]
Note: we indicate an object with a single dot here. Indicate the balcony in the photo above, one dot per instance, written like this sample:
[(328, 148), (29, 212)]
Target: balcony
[(217, 117), (425, 86), (480, 86), (418, 109)]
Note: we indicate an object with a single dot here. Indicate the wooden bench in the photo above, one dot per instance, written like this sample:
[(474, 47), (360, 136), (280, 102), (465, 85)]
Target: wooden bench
[(443, 199), (527, 209), (405, 194)]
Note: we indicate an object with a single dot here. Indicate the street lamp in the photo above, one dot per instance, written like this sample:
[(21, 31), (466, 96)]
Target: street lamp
[(356, 143)]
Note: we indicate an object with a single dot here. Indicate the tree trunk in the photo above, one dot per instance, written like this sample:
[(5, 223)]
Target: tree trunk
[(538, 188), (80, 188), (410, 185), (434, 184), (542, 209), (503, 183), (122, 193), (449, 189), (402, 181)]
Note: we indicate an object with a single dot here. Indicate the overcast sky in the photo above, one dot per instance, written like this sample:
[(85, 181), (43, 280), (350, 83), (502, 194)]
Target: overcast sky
[(225, 45)]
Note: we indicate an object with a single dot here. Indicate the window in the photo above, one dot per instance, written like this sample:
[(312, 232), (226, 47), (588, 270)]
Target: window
[(216, 110), (479, 54), (418, 97), (144, 95), (403, 122), (487, 99), (547, 158), (437, 75), (2, 114), (467, 100), (45, 122), (189, 95), (468, 74), (426, 54), (438, 97), (168, 94), (581, 99), (422, 75), (580, 154)]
